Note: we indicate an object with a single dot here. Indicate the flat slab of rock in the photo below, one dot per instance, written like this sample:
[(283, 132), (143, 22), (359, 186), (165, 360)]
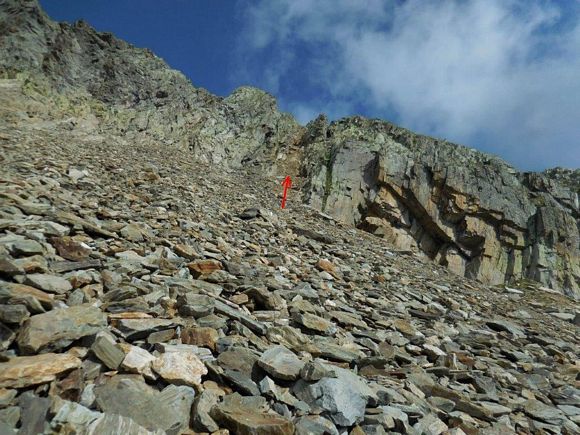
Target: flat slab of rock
[(137, 360), (59, 328), (23, 371), (256, 326), (79, 419), (48, 283), (108, 352), (36, 300), (315, 323), (505, 326), (242, 417), (135, 329), (281, 363)]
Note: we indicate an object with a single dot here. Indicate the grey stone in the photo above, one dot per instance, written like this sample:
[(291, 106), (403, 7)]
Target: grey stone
[(201, 418), (195, 305), (13, 313), (135, 329), (545, 413), (281, 363), (343, 397), (59, 328), (48, 283), (106, 350), (315, 370), (315, 424), (130, 396)]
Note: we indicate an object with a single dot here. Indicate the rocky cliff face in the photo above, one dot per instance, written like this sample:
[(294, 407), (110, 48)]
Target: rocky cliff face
[(463, 209), (135, 93)]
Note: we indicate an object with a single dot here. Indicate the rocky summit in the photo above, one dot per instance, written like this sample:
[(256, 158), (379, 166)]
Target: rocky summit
[(150, 283)]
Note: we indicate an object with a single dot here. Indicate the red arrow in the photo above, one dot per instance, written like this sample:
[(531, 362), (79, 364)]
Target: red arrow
[(286, 183)]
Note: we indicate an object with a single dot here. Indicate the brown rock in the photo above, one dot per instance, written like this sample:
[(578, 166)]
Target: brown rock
[(58, 328), (204, 337), (23, 371), (244, 417), (68, 248), (11, 292), (204, 267), (326, 266)]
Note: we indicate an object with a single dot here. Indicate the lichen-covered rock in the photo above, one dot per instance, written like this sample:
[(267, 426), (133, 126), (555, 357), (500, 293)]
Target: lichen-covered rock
[(466, 210)]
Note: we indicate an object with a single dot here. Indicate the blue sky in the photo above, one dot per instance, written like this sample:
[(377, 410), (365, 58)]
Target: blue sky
[(502, 76)]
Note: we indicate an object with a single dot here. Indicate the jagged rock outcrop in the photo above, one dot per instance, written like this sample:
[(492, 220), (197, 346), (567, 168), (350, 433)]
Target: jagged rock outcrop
[(464, 209), (134, 92)]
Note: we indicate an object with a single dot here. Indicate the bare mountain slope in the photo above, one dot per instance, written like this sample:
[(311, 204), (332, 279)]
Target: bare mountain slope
[(150, 283)]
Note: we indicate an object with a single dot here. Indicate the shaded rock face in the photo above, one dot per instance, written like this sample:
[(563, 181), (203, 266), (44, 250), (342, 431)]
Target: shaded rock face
[(464, 209)]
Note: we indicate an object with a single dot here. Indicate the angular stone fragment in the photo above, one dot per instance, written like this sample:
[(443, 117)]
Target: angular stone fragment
[(281, 363), (266, 299), (242, 418), (256, 326), (130, 396), (205, 337), (7, 396), (10, 267), (26, 247), (201, 418), (73, 416), (34, 410), (315, 323), (314, 371), (23, 371), (35, 300), (59, 328), (241, 369), (543, 412), (315, 424), (204, 267), (195, 305), (13, 313), (180, 368), (430, 425), (48, 283), (107, 351), (504, 325), (69, 249), (344, 397), (137, 360), (135, 329)]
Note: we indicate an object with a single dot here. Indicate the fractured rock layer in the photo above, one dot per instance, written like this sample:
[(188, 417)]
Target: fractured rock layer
[(466, 210)]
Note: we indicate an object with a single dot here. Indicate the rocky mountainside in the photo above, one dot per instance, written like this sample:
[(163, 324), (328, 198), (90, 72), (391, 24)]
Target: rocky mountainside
[(469, 211), (464, 209), (150, 283)]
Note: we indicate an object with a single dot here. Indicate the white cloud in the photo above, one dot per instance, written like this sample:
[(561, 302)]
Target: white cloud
[(503, 75)]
